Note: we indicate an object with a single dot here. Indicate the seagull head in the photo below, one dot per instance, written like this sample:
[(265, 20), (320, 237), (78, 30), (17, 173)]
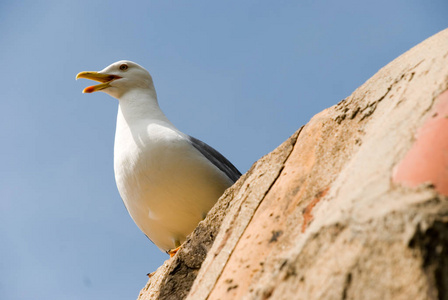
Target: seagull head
[(119, 78)]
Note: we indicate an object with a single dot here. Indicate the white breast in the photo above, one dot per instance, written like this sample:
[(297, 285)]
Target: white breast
[(166, 184)]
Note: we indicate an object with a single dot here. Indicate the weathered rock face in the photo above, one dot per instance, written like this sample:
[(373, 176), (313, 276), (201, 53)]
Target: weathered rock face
[(353, 206)]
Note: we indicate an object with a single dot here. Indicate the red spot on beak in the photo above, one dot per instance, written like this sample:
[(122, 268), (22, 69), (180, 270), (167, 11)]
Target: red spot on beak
[(89, 89)]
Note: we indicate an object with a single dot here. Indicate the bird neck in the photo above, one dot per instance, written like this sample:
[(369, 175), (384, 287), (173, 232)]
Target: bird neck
[(141, 105)]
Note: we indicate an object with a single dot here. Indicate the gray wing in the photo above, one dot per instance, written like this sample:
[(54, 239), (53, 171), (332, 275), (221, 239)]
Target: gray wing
[(216, 158)]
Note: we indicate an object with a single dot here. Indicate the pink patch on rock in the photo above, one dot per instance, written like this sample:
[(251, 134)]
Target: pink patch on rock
[(427, 160)]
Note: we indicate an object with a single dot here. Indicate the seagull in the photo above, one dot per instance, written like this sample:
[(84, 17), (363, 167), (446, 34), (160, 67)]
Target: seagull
[(167, 179)]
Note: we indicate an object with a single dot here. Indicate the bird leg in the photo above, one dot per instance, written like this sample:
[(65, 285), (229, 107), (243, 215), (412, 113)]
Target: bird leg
[(173, 252)]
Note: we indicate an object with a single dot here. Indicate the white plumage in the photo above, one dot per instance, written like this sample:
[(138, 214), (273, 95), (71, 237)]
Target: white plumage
[(167, 179)]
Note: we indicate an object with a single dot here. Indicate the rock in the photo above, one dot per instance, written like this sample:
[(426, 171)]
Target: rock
[(353, 206)]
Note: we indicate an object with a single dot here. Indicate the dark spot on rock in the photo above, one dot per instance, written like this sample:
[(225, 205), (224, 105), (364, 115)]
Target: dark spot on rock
[(355, 112), (432, 242), (283, 264), (275, 236), (232, 287), (268, 293)]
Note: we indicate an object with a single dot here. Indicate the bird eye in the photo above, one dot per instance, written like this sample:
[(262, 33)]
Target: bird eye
[(123, 67)]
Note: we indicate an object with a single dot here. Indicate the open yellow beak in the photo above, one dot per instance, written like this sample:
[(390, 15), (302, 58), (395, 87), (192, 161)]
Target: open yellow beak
[(106, 79)]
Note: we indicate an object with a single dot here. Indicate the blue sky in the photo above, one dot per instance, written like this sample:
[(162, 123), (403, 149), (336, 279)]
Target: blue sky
[(239, 75)]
